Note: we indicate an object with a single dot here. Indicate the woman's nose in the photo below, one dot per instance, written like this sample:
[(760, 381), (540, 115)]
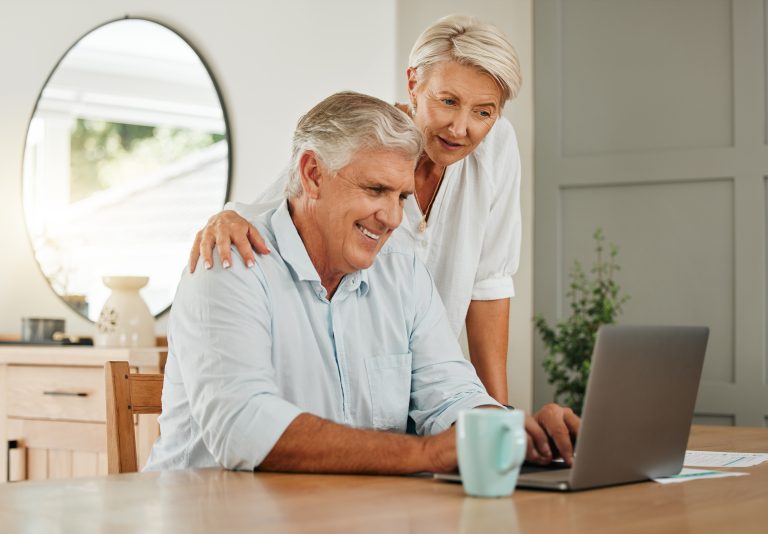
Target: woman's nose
[(458, 126)]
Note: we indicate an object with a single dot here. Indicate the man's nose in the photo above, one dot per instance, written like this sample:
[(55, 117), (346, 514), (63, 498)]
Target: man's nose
[(391, 215)]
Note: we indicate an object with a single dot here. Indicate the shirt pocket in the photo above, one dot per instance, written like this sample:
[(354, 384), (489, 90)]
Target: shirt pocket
[(389, 379)]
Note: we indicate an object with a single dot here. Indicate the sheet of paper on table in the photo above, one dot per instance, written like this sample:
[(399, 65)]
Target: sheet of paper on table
[(687, 475), (723, 459)]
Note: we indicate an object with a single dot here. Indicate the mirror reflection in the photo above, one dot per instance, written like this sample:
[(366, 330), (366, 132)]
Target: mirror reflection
[(127, 154)]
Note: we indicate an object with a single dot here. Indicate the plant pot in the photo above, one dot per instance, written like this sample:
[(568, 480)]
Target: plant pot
[(125, 319)]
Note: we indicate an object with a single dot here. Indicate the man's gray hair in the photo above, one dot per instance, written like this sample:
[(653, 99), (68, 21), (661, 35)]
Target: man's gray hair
[(468, 41), (344, 123)]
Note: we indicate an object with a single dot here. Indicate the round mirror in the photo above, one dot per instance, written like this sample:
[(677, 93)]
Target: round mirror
[(127, 154)]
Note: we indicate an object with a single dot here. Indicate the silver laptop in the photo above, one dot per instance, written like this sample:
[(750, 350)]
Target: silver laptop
[(637, 410)]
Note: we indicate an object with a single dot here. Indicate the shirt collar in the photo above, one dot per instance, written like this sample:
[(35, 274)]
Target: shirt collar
[(293, 252)]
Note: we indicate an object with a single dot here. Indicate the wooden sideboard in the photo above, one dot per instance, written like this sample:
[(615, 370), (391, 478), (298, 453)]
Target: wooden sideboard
[(53, 410)]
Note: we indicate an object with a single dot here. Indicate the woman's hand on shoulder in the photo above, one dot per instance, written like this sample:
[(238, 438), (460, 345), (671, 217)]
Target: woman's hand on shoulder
[(223, 230)]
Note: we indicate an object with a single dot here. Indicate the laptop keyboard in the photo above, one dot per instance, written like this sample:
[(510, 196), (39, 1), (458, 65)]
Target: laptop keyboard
[(536, 468)]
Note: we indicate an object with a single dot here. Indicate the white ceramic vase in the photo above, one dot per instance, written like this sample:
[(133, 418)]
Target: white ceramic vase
[(125, 319)]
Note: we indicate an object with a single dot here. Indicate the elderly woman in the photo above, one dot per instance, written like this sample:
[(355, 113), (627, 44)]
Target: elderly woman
[(464, 218)]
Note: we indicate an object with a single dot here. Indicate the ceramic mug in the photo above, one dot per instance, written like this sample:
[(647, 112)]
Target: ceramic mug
[(491, 447)]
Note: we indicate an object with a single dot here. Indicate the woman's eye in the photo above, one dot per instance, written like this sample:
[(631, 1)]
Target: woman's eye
[(449, 101), (485, 114)]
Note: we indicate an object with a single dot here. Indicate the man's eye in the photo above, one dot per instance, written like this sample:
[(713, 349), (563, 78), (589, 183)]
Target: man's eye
[(449, 101)]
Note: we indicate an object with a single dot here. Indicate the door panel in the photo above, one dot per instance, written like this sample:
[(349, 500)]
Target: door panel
[(651, 124)]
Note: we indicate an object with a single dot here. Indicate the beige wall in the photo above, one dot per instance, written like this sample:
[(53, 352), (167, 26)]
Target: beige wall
[(272, 60)]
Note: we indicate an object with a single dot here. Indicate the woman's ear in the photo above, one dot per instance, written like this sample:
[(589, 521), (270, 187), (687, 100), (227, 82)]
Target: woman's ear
[(310, 173), (412, 83)]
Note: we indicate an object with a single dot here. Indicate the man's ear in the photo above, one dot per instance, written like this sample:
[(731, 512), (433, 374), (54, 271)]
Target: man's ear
[(311, 174)]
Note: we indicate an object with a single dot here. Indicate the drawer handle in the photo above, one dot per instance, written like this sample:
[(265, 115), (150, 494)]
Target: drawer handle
[(65, 393)]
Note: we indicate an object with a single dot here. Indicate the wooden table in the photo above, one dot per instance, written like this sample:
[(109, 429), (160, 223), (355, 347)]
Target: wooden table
[(222, 501)]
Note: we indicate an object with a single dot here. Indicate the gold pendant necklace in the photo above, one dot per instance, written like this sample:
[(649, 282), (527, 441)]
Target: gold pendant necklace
[(425, 213)]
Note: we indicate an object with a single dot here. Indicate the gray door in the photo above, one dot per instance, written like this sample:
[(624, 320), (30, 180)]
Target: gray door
[(650, 119)]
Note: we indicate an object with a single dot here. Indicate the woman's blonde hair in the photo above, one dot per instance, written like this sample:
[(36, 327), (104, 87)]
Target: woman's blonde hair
[(468, 41)]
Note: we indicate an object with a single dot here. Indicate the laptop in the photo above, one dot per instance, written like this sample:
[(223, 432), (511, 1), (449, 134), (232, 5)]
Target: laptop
[(638, 408)]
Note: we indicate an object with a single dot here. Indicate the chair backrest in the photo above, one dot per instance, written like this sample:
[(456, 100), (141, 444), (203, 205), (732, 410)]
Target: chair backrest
[(127, 394)]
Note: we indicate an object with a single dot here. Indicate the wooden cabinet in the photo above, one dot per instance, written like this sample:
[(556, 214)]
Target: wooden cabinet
[(52, 410)]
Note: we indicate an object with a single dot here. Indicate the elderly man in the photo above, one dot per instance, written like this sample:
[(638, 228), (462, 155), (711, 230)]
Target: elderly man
[(313, 359)]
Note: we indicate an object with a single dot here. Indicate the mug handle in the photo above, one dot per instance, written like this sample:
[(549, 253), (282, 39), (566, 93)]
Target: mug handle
[(515, 450)]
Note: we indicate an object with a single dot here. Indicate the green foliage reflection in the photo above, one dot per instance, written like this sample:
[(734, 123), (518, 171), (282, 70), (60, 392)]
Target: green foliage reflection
[(108, 154)]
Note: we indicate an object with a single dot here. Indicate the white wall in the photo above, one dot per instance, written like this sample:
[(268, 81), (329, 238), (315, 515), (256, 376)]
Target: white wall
[(272, 62), (515, 18)]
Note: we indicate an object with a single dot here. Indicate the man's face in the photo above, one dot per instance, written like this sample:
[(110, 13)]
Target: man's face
[(358, 208)]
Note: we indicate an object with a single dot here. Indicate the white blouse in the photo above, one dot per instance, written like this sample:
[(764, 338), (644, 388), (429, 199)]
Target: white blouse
[(472, 242)]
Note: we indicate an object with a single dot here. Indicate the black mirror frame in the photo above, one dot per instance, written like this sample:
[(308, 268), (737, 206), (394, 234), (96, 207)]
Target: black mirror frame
[(225, 115)]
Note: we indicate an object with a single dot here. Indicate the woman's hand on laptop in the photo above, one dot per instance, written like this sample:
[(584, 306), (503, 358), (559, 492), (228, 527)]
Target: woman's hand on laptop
[(552, 425)]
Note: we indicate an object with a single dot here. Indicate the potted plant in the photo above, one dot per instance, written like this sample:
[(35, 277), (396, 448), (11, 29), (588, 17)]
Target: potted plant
[(594, 300)]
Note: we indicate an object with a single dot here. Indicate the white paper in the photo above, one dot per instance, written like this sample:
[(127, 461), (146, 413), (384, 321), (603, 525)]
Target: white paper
[(687, 475), (723, 459)]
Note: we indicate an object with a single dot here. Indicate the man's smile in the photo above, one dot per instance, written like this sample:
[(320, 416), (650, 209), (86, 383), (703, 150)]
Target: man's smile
[(368, 233)]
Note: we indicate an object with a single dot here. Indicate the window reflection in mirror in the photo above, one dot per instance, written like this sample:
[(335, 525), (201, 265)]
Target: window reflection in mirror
[(126, 156)]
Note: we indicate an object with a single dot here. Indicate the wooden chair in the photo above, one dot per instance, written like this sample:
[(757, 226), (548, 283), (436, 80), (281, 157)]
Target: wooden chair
[(127, 394)]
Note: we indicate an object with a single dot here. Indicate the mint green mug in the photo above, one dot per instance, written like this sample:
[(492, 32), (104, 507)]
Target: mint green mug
[(491, 447)]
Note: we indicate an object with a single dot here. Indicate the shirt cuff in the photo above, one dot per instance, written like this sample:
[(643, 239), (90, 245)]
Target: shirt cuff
[(451, 414), (500, 287)]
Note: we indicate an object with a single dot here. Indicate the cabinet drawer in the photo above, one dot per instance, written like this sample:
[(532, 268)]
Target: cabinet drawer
[(66, 393)]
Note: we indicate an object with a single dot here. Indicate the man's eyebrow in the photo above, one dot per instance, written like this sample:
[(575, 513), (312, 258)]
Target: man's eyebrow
[(387, 188)]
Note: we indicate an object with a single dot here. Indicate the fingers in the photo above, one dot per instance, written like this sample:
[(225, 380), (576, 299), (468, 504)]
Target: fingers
[(254, 237), (243, 246), (221, 231), (538, 450), (573, 422), (223, 245), (194, 254), (562, 426)]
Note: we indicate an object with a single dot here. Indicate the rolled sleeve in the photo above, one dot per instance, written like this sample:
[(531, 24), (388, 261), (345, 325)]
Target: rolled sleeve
[(446, 419), (500, 287), (221, 333)]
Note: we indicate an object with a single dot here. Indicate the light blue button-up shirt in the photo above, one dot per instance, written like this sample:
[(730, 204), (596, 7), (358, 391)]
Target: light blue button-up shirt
[(250, 349)]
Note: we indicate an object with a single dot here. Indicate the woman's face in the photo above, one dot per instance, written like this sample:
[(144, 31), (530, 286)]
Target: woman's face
[(456, 106)]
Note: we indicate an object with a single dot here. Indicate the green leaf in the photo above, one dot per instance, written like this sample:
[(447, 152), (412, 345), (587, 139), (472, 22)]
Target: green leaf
[(594, 300)]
